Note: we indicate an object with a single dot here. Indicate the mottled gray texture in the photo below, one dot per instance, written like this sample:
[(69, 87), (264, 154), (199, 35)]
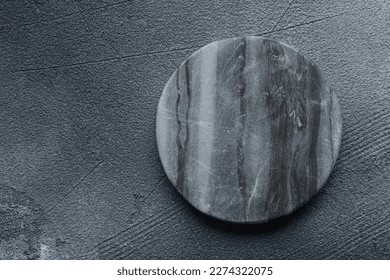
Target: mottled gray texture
[(248, 129), (79, 88)]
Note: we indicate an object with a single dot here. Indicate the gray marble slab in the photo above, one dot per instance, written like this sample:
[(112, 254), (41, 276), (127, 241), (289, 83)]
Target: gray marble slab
[(248, 129)]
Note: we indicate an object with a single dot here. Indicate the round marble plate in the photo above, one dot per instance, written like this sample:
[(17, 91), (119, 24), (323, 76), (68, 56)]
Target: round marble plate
[(248, 129)]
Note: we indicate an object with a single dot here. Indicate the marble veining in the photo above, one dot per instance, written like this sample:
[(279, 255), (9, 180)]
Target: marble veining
[(248, 129)]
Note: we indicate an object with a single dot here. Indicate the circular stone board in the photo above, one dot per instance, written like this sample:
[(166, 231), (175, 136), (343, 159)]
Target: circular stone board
[(248, 129)]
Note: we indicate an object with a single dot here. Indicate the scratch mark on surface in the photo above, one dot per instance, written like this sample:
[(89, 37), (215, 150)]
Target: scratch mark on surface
[(155, 187), (150, 220), (282, 16), (120, 250), (73, 14), (301, 24), (89, 28), (158, 52), (76, 185), (82, 17), (104, 60)]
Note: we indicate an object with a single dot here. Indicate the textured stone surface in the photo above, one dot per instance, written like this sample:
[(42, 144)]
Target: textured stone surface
[(79, 89), (248, 129)]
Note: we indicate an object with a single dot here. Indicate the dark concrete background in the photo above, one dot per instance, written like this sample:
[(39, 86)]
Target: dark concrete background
[(80, 175)]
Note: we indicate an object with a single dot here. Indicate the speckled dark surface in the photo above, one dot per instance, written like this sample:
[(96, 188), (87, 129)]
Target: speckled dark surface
[(248, 129), (79, 87)]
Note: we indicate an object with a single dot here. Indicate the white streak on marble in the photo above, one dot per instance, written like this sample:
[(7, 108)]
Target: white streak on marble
[(257, 190), (208, 62)]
